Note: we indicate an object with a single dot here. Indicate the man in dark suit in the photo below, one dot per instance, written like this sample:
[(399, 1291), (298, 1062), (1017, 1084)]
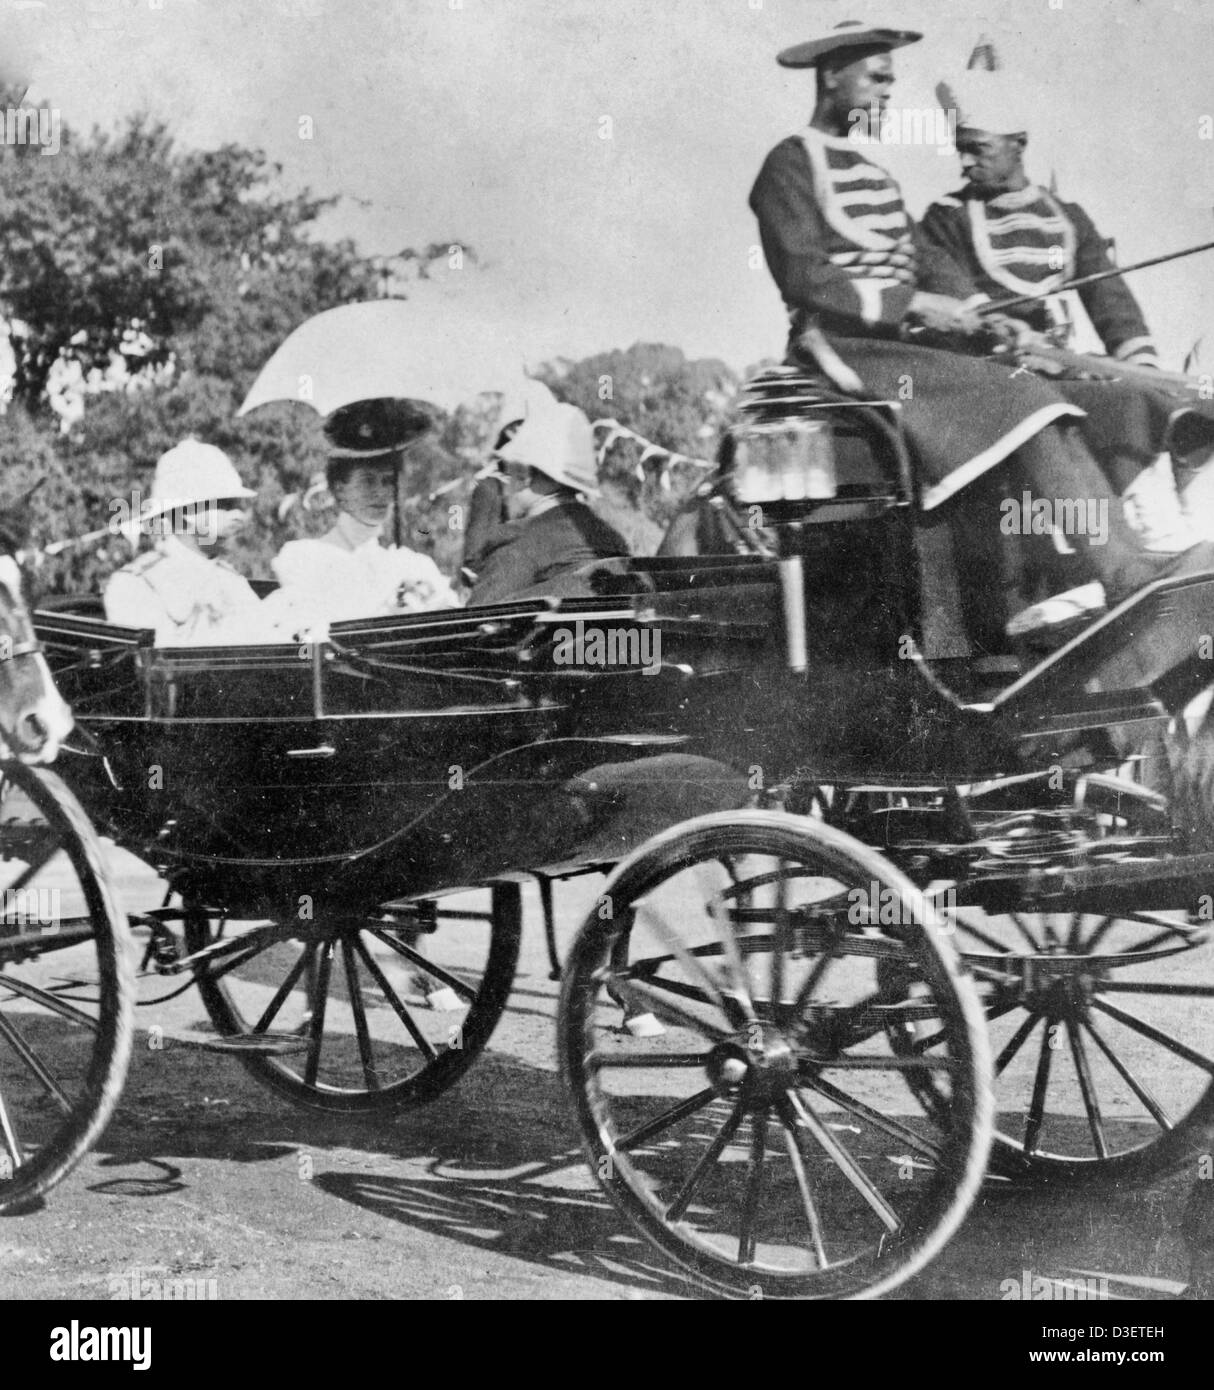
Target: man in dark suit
[(552, 536)]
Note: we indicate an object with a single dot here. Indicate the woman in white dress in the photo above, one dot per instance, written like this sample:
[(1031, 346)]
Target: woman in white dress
[(348, 572)]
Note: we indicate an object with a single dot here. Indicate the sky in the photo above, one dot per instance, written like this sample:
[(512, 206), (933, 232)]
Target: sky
[(598, 156)]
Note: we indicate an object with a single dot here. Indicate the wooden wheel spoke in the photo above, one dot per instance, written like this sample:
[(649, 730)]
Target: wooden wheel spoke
[(664, 1008), (365, 1053), (49, 1000), (1041, 1083), (815, 977), (461, 987), (8, 1133), (397, 1006), (1023, 928), (1155, 1034), (1102, 929), (782, 941), (1158, 1114), (1087, 1088), (675, 987), (682, 1198), (691, 963), (998, 1006), (1163, 938), (792, 1142), (26, 1052), (738, 984), (1015, 1043), (839, 1154), (672, 1115), (963, 924), (1153, 987), (754, 1187), (280, 994), (221, 968), (318, 997), (894, 1128)]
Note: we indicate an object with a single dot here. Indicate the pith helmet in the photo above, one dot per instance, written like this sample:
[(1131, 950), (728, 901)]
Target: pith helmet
[(522, 400), (195, 472), (558, 441), (996, 102)]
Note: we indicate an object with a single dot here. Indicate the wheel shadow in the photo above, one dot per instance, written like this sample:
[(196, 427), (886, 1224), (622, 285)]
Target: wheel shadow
[(545, 1215), (494, 1164)]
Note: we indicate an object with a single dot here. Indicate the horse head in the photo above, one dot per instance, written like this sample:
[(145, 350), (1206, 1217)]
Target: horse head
[(34, 718)]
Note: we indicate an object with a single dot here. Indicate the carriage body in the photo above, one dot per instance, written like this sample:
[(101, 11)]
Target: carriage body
[(825, 672)]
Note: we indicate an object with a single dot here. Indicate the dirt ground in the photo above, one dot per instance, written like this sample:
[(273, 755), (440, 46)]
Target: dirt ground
[(204, 1176)]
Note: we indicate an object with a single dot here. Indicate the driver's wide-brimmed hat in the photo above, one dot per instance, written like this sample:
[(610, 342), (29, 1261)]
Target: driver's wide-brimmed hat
[(852, 33)]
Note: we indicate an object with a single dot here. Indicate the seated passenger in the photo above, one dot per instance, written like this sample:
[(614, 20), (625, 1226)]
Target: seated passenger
[(348, 572), (552, 536), (182, 589)]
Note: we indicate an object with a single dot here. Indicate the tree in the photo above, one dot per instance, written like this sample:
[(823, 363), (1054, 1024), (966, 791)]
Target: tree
[(168, 277)]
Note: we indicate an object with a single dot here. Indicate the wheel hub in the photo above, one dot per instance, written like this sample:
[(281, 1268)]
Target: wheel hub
[(755, 1071)]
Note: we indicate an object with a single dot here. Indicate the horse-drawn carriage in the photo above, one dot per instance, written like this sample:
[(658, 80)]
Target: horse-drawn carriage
[(891, 910)]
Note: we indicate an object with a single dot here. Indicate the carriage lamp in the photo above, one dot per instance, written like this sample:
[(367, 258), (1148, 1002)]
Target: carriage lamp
[(784, 461)]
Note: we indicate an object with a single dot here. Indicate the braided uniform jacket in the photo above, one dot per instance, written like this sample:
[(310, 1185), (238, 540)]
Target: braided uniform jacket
[(1029, 242)]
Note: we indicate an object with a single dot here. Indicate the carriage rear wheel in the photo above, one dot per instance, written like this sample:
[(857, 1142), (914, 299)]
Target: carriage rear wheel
[(1102, 1023), (1103, 1038), (377, 1011), (763, 1140), (67, 985)]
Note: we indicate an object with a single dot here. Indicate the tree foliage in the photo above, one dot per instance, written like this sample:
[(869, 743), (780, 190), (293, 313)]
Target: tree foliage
[(166, 277)]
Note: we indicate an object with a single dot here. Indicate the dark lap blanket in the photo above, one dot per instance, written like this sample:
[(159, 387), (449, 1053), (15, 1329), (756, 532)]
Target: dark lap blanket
[(962, 415)]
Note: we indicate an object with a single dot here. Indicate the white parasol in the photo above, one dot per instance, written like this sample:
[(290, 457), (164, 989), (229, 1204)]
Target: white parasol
[(388, 348)]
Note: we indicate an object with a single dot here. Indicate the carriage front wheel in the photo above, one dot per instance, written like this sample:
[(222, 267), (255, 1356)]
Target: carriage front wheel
[(762, 1138), (67, 986)]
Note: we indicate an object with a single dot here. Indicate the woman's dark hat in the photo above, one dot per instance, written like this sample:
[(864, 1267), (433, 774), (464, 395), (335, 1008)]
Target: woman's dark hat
[(375, 428), (850, 34)]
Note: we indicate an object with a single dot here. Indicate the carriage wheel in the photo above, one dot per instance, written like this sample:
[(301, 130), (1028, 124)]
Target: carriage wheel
[(763, 1141), (1102, 1025), (67, 985), (1103, 1038), (361, 1013)]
